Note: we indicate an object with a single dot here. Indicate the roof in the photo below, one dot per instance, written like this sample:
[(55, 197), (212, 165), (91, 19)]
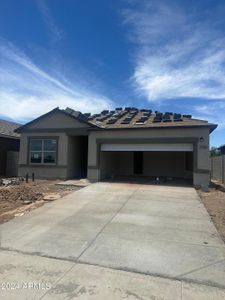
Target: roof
[(131, 117), (7, 129), (69, 112), (221, 147)]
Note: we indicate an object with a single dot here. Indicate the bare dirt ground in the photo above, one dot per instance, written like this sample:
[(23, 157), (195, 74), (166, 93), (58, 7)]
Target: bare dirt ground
[(214, 202), (17, 199)]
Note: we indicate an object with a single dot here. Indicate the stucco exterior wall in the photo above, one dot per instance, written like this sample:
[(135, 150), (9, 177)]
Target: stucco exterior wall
[(57, 120), (44, 171)]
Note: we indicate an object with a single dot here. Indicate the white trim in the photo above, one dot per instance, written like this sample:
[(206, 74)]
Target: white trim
[(177, 147)]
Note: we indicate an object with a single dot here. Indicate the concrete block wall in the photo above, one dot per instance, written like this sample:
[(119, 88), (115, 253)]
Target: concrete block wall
[(218, 168)]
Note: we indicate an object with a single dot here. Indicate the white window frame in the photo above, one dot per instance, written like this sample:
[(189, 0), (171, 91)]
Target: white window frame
[(42, 151)]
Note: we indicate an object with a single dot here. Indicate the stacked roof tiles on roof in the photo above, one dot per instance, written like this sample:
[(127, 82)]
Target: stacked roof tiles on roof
[(131, 117)]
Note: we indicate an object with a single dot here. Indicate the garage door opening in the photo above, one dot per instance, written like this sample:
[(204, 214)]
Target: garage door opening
[(161, 166)]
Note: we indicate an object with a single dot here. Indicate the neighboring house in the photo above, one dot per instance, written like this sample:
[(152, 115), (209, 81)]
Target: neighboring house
[(9, 148), (124, 142), (222, 149)]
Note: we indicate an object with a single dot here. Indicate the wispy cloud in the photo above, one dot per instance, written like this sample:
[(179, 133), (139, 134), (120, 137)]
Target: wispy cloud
[(49, 20), (212, 111), (28, 91), (180, 50)]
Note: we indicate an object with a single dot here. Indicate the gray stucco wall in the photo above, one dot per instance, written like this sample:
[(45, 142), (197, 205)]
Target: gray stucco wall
[(201, 148)]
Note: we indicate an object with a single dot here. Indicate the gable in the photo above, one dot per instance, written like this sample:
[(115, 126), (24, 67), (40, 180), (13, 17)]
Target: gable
[(55, 119)]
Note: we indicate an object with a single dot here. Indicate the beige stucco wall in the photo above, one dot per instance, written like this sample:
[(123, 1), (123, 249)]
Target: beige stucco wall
[(60, 170), (201, 172), (43, 172), (57, 120)]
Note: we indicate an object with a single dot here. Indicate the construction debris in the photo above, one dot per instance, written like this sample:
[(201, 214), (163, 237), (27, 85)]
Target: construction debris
[(23, 195), (11, 181)]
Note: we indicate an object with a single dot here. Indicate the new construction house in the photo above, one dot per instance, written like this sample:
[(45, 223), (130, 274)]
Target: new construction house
[(114, 144)]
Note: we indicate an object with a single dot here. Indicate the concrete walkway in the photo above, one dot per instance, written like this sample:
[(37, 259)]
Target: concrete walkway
[(112, 240)]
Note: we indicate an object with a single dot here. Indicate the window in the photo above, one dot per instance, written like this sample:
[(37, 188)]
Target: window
[(43, 151)]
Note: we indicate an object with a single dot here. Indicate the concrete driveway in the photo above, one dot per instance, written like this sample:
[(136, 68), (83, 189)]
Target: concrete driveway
[(152, 230)]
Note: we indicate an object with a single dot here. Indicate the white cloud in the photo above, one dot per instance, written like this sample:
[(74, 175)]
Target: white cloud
[(28, 91), (212, 111), (49, 20), (179, 54)]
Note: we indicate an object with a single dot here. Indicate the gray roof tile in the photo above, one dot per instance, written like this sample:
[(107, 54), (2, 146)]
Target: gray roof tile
[(7, 129)]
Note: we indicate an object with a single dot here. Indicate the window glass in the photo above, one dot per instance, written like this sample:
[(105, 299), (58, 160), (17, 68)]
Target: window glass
[(35, 145), (49, 157), (43, 151), (35, 157), (49, 145)]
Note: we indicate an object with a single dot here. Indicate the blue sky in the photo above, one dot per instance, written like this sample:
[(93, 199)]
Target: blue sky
[(91, 55)]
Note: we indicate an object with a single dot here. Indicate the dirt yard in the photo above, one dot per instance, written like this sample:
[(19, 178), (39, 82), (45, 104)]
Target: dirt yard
[(16, 200), (214, 202)]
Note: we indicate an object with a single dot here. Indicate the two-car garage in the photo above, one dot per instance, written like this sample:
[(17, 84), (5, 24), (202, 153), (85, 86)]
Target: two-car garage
[(148, 159)]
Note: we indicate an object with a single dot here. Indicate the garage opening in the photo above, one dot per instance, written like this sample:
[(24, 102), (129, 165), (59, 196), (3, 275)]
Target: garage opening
[(168, 165)]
